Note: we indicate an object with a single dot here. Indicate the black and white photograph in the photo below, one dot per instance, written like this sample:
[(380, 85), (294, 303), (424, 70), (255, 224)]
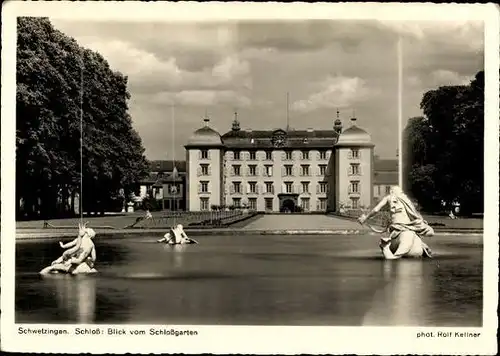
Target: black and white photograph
[(174, 177)]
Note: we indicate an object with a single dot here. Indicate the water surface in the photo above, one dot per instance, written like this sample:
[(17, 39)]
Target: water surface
[(255, 280)]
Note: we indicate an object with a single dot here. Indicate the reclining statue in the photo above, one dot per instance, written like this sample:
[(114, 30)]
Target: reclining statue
[(406, 228), (79, 258), (177, 236)]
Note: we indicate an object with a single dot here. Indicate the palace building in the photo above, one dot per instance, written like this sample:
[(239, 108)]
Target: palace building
[(280, 170)]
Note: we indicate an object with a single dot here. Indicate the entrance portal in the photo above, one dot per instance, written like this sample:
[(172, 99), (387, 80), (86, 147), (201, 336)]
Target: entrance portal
[(288, 203)]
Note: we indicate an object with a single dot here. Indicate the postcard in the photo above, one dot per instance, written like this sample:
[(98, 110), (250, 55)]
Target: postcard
[(258, 178)]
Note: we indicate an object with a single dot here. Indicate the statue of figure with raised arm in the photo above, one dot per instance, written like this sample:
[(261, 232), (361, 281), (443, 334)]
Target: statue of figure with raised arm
[(406, 229), (81, 256)]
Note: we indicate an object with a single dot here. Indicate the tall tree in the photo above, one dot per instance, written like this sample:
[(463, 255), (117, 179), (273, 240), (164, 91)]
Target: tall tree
[(49, 92), (446, 146)]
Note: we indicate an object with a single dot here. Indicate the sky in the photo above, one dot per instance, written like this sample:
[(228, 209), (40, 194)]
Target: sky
[(180, 72)]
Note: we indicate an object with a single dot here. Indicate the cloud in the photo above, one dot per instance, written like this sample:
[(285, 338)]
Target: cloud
[(149, 74), (443, 77), (249, 66), (334, 92), (229, 69), (202, 98), (449, 31)]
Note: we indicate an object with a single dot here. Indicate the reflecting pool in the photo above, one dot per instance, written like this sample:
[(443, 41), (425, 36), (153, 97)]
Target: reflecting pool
[(255, 280)]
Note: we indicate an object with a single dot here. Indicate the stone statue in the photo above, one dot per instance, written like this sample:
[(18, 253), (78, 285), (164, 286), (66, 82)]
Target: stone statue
[(406, 228), (79, 258), (177, 236)]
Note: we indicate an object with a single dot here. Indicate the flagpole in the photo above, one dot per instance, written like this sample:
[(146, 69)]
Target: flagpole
[(81, 143), (287, 112), (174, 185), (400, 111)]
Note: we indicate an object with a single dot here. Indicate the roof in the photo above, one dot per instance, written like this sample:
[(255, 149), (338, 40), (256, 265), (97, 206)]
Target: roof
[(167, 166), (205, 136), (386, 165), (261, 139), (386, 171), (354, 136), (386, 178)]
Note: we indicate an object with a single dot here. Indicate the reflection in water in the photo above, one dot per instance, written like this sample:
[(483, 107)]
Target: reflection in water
[(177, 253), (76, 295), (405, 297), (253, 281)]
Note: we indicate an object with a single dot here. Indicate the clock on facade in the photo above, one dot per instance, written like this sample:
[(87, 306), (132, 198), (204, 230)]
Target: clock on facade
[(279, 139)]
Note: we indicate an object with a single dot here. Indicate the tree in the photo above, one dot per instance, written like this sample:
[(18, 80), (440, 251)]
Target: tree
[(419, 174), (444, 159), (50, 95)]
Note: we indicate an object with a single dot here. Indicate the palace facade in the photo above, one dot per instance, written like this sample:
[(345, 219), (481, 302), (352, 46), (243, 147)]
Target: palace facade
[(280, 170)]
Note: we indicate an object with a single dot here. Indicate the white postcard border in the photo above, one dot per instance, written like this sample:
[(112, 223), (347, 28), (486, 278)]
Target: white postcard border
[(245, 339)]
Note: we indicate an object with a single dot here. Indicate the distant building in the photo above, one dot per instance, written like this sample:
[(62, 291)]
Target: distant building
[(166, 183), (278, 170), (385, 177)]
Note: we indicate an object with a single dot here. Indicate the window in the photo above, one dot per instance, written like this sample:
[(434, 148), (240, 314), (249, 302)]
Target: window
[(288, 155), (378, 189), (288, 187), (237, 202), (305, 187), (252, 203), (305, 154), (269, 187), (269, 204), (204, 154), (253, 187), (237, 155), (158, 193), (354, 203), (252, 170), (354, 186), (387, 189), (204, 187), (354, 153), (355, 169), (237, 170), (322, 187), (253, 155), (322, 204), (237, 187), (204, 169), (305, 170), (322, 169), (288, 170), (204, 203), (304, 203), (322, 154), (269, 155), (268, 170)]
